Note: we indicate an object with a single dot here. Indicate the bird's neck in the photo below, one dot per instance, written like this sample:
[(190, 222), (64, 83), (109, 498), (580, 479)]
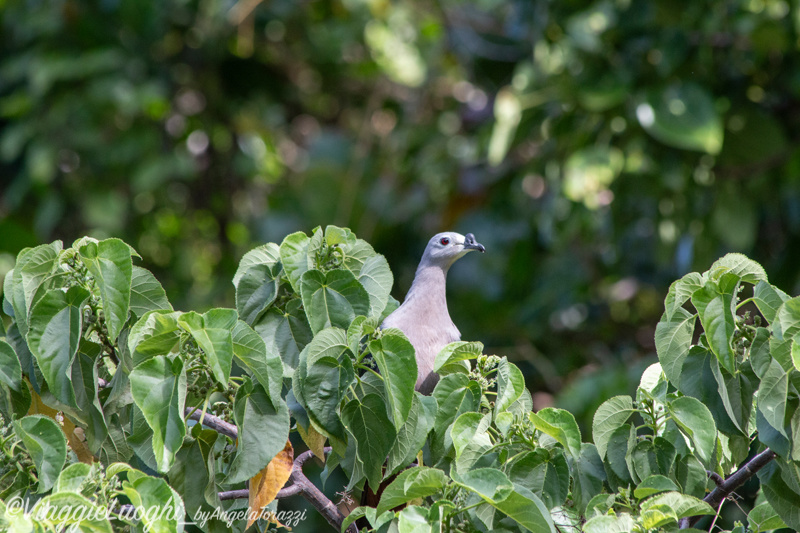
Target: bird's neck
[(429, 287)]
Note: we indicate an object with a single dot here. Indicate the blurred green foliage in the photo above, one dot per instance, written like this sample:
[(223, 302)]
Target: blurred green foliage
[(598, 149)]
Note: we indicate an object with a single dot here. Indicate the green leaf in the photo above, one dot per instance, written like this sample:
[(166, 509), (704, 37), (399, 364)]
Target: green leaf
[(622, 523), (45, 442), (763, 517), (147, 294), (72, 477), (155, 333), (398, 367), (740, 265), (510, 385), (470, 429), (212, 332), (714, 306), (158, 387), (285, 333), (414, 519), (652, 457), (323, 377), (691, 475), (294, 257), (374, 434), (461, 400), (736, 392), (695, 421), (14, 296), (157, 504), (69, 511), (588, 475), (526, 509), (412, 435), (681, 291), (358, 330), (257, 280), (53, 337), (193, 474), (759, 352), (332, 299), (611, 414), (263, 430), (455, 352), (33, 267), (547, 477), (673, 340), (250, 350), (682, 504), (10, 369), (109, 261), (376, 278), (780, 487), (768, 299), (658, 516), (772, 396), (697, 381), (616, 463), (419, 482), (85, 379), (560, 425), (653, 485), (682, 116), (489, 483), (785, 328)]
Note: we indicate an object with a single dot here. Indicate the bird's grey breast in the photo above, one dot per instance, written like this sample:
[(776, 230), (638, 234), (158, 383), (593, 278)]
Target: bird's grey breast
[(428, 335)]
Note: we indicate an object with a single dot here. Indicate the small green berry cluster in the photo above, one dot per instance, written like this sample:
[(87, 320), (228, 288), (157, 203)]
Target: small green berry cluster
[(744, 333), (329, 257), (17, 470), (201, 382)]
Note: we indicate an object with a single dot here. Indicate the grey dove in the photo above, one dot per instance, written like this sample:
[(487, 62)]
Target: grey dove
[(423, 316)]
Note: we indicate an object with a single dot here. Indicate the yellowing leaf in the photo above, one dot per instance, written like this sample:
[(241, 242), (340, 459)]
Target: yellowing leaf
[(265, 485), (314, 440)]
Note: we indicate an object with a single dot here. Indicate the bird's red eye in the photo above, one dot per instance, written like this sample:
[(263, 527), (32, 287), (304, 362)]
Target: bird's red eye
[(445, 241)]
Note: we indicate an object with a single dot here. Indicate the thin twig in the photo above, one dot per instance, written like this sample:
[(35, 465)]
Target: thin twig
[(736, 480)]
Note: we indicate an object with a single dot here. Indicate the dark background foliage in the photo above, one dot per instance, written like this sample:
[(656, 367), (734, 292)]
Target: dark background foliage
[(598, 149)]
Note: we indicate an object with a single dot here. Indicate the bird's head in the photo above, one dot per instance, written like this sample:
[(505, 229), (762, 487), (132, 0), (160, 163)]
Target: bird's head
[(445, 248)]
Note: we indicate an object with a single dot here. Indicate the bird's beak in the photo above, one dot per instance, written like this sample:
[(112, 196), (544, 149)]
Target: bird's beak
[(471, 244)]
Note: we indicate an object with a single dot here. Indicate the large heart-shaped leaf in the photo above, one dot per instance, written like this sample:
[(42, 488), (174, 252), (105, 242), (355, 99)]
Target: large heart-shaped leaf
[(398, 367), (332, 299), (212, 332), (53, 338), (46, 445), (109, 261), (257, 280), (374, 434), (263, 430), (158, 386), (147, 294)]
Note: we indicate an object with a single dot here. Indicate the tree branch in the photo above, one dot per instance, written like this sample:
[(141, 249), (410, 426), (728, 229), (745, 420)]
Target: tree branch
[(736, 480), (215, 423), (298, 482)]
